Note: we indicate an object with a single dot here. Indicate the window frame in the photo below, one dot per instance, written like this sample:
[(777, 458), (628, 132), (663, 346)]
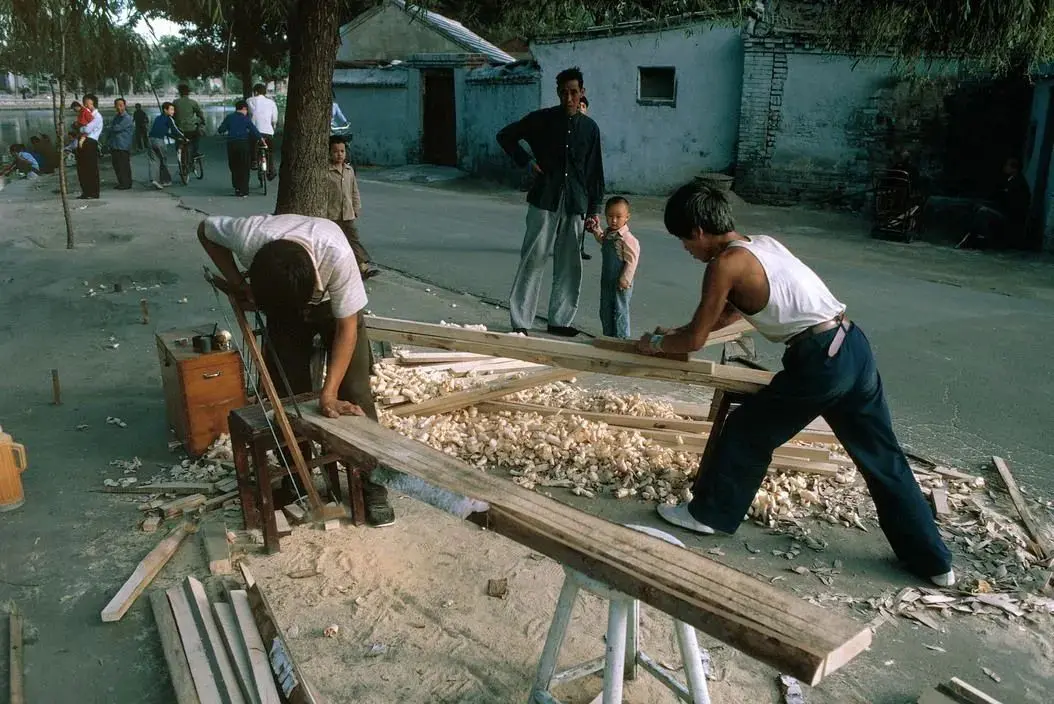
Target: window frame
[(661, 102)]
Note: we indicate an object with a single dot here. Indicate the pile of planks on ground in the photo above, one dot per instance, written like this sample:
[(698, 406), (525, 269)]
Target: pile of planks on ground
[(215, 649), (547, 432)]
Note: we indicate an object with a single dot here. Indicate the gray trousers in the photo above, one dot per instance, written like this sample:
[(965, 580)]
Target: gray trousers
[(548, 233)]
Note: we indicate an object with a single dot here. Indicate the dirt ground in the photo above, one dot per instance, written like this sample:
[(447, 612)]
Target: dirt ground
[(415, 622)]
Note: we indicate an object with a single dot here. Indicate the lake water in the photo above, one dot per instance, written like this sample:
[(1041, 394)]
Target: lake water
[(19, 125)]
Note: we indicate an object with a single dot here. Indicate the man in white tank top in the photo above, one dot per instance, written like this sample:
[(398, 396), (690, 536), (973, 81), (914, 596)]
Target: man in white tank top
[(828, 370)]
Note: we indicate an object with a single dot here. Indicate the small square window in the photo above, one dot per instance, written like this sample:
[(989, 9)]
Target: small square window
[(657, 85)]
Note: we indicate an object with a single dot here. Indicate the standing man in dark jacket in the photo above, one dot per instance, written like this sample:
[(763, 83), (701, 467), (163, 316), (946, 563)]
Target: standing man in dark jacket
[(567, 193), (241, 134), (119, 136), (142, 128)]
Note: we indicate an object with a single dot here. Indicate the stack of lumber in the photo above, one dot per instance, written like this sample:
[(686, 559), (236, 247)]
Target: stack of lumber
[(214, 649)]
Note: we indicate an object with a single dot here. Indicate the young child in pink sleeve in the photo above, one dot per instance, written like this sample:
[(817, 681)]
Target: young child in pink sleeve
[(620, 252)]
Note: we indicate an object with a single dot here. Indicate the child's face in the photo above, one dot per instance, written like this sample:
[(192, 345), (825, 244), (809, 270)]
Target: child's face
[(337, 153), (170, 110), (617, 216)]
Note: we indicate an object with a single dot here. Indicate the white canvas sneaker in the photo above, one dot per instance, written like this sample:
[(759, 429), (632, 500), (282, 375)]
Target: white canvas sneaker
[(679, 516), (944, 580)]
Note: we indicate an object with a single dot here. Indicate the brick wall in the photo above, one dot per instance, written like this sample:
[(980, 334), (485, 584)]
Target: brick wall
[(815, 126)]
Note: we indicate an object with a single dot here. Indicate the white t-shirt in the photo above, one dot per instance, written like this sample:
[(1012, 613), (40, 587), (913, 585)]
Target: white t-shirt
[(336, 271), (264, 113), (93, 130)]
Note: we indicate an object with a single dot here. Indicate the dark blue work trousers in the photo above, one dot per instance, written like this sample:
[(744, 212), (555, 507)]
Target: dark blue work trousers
[(846, 390)]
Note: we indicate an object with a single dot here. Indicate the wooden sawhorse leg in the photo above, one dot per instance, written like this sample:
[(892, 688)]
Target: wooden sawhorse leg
[(242, 448)]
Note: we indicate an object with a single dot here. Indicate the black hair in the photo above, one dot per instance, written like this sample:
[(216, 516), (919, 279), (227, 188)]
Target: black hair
[(584, 101), (700, 203), (282, 278), (120, 99), (34, 140), (91, 96), (570, 74), (17, 148), (183, 89), (241, 105), (337, 139), (75, 105), (138, 106), (166, 105), (615, 200), (260, 89)]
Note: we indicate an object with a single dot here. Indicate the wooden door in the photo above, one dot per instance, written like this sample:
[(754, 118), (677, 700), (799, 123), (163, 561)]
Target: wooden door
[(439, 142)]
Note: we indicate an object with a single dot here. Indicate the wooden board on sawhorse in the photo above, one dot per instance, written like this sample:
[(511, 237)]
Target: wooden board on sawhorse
[(318, 511)]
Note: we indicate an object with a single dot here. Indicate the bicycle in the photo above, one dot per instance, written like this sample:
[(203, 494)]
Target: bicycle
[(185, 168), (263, 156)]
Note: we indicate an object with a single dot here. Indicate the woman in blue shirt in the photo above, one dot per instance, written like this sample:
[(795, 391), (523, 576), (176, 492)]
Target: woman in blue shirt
[(241, 133), (164, 126)]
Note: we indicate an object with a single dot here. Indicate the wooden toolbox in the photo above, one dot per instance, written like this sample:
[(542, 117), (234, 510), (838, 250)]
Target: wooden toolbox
[(200, 389)]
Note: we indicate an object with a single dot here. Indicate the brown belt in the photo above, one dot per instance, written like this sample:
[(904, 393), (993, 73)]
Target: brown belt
[(841, 322)]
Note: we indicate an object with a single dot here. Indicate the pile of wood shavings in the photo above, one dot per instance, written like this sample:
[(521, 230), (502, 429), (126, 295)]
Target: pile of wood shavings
[(591, 458), (214, 465)]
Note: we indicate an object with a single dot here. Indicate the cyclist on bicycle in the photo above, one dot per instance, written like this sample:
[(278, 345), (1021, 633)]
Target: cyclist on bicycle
[(264, 114), (241, 133), (190, 119)]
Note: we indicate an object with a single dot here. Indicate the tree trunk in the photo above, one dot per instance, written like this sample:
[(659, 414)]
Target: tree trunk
[(313, 40), (246, 74), (60, 131)]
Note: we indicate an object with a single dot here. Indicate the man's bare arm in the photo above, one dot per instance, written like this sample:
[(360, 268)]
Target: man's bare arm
[(709, 315), (347, 334)]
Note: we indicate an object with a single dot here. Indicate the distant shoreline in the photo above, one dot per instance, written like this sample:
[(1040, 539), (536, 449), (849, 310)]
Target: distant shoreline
[(14, 102)]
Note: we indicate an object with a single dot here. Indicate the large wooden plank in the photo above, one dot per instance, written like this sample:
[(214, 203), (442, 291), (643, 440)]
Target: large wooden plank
[(1031, 525), (967, 693), (771, 625), (15, 660), (227, 681), (144, 573), (621, 420), (236, 648), (287, 673), (193, 646), (261, 669), (172, 647), (464, 399), (567, 355)]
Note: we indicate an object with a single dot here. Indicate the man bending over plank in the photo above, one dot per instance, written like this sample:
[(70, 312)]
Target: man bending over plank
[(304, 278), (828, 370)]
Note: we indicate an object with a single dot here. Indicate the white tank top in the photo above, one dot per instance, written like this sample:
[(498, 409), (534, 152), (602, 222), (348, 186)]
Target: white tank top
[(798, 298)]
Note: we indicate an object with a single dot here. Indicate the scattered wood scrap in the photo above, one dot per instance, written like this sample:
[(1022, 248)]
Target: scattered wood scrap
[(1043, 545), (178, 506), (16, 676), (217, 548), (939, 497), (145, 572)]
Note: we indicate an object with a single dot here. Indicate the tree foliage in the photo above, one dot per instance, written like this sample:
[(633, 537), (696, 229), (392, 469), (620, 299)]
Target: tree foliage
[(246, 37), (98, 45), (995, 35)]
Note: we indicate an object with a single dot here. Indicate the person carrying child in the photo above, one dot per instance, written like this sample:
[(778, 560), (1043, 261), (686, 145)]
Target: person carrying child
[(83, 119), (620, 252)]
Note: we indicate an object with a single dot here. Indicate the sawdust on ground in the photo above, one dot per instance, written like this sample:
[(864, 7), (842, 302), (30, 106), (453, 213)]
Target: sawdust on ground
[(416, 625)]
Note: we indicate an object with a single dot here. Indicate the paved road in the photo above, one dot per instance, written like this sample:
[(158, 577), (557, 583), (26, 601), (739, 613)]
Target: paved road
[(962, 339)]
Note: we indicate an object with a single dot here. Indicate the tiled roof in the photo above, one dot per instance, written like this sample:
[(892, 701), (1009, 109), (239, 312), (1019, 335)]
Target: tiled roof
[(456, 32)]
